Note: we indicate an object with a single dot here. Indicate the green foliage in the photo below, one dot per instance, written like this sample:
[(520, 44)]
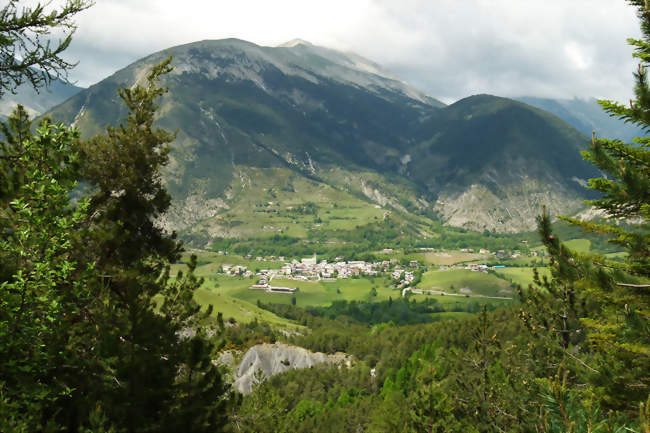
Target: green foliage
[(94, 334), (593, 315), (40, 292)]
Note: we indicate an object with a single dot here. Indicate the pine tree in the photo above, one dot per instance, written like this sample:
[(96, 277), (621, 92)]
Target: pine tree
[(94, 332), (26, 55), (609, 301)]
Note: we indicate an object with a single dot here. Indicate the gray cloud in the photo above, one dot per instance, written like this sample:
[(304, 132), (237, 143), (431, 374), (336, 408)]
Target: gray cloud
[(448, 48)]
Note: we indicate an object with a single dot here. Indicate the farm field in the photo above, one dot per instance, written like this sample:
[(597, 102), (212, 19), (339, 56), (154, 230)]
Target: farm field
[(231, 295), (454, 280), (239, 310), (523, 276), (448, 258), (309, 293), (579, 245), (209, 263)]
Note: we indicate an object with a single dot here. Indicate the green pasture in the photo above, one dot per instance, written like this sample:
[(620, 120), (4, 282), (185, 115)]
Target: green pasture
[(523, 276), (579, 245), (617, 256), (448, 258), (210, 263), (319, 293), (233, 297), (238, 309), (456, 279)]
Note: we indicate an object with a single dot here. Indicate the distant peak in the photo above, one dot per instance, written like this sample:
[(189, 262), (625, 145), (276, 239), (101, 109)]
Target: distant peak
[(294, 43)]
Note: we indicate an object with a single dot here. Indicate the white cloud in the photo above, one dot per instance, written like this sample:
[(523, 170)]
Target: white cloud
[(449, 48)]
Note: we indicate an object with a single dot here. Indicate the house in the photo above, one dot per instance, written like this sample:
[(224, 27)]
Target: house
[(310, 261), (275, 289)]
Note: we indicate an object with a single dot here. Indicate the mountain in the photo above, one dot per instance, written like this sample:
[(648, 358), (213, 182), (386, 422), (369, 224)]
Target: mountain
[(37, 103), (586, 115), (263, 130), (494, 162)]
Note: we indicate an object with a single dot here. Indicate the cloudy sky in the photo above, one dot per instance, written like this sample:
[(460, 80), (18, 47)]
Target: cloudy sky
[(448, 48)]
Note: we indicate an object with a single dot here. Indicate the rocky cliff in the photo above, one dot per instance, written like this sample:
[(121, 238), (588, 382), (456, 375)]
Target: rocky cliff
[(265, 360)]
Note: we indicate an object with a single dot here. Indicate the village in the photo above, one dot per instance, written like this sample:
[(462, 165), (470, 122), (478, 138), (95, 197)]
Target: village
[(311, 269)]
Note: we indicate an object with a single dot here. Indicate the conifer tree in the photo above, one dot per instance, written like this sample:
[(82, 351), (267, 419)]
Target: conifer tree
[(607, 302), (26, 53), (94, 332)]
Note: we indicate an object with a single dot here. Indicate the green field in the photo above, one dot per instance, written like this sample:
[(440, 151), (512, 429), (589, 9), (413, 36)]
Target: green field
[(231, 295), (579, 245), (617, 256), (239, 310), (448, 258), (523, 276), (208, 264), (478, 282), (309, 293)]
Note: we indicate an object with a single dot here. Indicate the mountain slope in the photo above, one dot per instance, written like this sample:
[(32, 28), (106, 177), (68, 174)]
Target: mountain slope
[(586, 116), (251, 117), (37, 102), (494, 162), (237, 106)]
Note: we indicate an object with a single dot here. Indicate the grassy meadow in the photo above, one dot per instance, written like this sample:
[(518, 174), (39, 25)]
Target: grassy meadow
[(231, 295)]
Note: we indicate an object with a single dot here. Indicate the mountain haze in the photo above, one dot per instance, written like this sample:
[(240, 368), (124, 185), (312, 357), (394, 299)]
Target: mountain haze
[(37, 103), (304, 118), (586, 115)]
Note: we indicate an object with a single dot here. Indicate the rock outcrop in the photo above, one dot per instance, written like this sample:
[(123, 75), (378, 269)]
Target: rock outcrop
[(265, 360)]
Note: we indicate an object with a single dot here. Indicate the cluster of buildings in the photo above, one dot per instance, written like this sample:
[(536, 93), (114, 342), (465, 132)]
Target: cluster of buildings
[(473, 267), (311, 269), (403, 277), (236, 270), (502, 254)]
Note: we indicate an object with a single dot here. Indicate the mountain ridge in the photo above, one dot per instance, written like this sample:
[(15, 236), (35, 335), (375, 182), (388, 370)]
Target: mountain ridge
[(315, 112)]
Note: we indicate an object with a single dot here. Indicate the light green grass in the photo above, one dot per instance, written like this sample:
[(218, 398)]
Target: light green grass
[(241, 311), (448, 258), (617, 256), (529, 261), (579, 245), (478, 282), (308, 294), (209, 263), (523, 276)]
